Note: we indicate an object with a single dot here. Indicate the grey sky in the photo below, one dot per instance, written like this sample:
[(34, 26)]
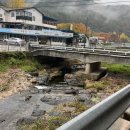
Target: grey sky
[(126, 3)]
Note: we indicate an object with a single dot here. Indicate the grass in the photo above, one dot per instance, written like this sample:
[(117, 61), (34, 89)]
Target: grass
[(99, 85), (53, 122), (118, 68), (18, 60)]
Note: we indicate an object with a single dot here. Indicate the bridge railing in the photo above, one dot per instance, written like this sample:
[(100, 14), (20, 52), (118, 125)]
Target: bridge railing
[(82, 50), (102, 115)]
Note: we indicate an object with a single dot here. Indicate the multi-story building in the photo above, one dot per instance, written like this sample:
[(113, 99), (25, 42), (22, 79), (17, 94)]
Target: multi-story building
[(30, 24)]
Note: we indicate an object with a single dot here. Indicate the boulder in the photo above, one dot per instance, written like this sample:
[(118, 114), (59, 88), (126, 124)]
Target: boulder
[(38, 113), (76, 79), (49, 100), (34, 91), (72, 91), (55, 99), (26, 121), (127, 114), (35, 74), (27, 98), (120, 124), (2, 120), (34, 80), (43, 80)]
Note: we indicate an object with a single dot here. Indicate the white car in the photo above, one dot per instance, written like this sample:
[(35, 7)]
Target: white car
[(15, 41)]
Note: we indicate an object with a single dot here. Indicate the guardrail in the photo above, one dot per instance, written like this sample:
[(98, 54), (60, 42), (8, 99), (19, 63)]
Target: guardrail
[(102, 115)]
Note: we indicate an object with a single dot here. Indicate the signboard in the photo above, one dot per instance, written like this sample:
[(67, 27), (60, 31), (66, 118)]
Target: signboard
[(45, 32)]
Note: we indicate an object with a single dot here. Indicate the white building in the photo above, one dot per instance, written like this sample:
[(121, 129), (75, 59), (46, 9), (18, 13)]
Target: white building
[(30, 23)]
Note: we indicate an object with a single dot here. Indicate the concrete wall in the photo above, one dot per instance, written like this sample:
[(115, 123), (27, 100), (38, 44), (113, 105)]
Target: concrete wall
[(2, 12)]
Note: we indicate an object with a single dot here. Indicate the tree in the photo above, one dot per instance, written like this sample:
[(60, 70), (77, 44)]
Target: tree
[(114, 37), (124, 38), (16, 3), (77, 27)]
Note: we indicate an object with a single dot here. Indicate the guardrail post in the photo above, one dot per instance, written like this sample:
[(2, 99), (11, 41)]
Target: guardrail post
[(8, 46)]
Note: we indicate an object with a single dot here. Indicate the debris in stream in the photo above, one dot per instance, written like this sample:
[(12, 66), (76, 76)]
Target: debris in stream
[(27, 98)]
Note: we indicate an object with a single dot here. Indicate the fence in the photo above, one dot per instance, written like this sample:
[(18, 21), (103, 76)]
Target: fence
[(9, 47)]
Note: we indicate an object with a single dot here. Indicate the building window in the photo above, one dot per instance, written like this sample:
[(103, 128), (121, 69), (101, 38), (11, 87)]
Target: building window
[(26, 13), (12, 14), (21, 13), (30, 14), (17, 13), (0, 15), (1, 19), (33, 18)]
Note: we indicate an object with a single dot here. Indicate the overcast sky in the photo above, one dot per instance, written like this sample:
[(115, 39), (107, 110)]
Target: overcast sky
[(126, 3)]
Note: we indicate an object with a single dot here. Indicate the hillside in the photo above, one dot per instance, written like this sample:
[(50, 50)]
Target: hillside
[(108, 18), (99, 18)]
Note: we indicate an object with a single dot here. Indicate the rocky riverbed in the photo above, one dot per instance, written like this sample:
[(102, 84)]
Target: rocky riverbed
[(25, 97)]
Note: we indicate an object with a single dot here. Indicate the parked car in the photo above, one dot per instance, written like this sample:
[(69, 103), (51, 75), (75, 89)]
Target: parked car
[(15, 41)]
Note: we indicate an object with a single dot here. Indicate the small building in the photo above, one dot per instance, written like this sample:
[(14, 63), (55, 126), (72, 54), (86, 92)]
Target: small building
[(30, 24), (78, 39)]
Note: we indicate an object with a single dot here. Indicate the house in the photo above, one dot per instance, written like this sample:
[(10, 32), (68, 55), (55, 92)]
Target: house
[(30, 24)]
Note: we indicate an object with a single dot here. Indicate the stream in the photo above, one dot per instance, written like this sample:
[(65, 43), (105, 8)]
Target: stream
[(28, 105)]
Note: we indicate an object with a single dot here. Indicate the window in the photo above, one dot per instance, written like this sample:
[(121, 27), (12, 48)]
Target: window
[(21, 13), (30, 14), (26, 13), (1, 19), (17, 13), (33, 18), (12, 14)]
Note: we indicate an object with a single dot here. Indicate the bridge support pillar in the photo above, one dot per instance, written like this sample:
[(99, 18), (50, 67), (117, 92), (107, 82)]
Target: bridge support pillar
[(92, 67), (94, 71)]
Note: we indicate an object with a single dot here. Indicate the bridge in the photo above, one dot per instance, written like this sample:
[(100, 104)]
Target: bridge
[(85, 55)]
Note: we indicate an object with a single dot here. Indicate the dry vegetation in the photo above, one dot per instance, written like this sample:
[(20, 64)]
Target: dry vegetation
[(65, 112)]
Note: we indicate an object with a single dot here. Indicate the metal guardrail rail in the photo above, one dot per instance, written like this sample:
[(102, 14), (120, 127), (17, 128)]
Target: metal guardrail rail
[(102, 115)]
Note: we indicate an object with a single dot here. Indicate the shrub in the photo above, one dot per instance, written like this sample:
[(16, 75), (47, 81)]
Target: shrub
[(99, 85), (18, 60), (118, 68)]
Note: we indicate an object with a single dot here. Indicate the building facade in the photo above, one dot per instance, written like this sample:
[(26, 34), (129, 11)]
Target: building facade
[(30, 24)]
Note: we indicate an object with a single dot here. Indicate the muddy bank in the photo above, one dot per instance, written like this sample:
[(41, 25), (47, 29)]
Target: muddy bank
[(14, 81)]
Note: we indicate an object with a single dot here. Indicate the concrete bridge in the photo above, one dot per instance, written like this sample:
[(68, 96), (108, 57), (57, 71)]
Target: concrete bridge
[(83, 54)]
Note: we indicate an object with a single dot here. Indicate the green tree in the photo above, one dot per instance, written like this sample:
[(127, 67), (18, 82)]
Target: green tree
[(124, 38)]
